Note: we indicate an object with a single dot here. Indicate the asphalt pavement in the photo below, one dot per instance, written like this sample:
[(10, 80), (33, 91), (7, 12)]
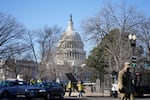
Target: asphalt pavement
[(86, 96)]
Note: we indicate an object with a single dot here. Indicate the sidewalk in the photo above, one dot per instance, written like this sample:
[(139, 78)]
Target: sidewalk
[(88, 94)]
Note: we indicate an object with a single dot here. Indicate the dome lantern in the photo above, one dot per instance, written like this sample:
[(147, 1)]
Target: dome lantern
[(70, 24)]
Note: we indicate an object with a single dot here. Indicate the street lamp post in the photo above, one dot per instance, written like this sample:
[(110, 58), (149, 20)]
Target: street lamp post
[(132, 38), (74, 69)]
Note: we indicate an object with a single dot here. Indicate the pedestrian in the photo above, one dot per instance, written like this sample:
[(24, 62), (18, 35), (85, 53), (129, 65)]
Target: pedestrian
[(32, 81), (80, 88), (39, 80), (69, 87), (125, 85)]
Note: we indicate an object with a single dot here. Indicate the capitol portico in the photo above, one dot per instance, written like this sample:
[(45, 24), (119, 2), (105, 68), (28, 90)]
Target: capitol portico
[(70, 54)]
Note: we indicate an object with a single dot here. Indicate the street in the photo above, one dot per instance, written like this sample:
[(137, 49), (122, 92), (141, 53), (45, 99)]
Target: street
[(110, 98), (75, 98), (86, 96)]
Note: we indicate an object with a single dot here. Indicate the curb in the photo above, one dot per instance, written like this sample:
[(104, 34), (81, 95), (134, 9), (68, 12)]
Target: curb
[(88, 94)]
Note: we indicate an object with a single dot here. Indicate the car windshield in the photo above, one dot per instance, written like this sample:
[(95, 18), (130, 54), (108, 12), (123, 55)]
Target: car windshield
[(43, 84)]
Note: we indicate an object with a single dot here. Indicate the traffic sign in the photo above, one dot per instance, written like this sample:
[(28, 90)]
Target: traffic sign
[(134, 64), (134, 59)]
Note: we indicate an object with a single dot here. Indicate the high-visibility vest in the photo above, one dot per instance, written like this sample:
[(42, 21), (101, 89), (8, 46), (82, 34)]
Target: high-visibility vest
[(80, 87), (32, 81), (69, 85), (39, 80)]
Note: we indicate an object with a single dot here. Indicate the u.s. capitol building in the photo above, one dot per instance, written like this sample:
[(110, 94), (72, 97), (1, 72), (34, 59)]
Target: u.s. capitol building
[(70, 55)]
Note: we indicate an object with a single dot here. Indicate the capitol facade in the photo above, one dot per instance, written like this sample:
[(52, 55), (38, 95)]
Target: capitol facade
[(70, 56)]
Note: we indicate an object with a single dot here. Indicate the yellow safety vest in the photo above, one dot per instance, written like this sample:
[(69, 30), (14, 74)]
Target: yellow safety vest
[(80, 87)]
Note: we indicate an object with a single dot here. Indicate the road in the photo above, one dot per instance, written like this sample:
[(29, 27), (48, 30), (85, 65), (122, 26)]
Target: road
[(75, 98), (110, 98)]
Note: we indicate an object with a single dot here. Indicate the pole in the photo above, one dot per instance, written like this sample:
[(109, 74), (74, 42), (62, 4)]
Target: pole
[(132, 38), (133, 47)]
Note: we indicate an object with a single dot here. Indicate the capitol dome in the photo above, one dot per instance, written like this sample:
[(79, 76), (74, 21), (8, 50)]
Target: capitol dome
[(70, 33), (73, 35), (70, 47)]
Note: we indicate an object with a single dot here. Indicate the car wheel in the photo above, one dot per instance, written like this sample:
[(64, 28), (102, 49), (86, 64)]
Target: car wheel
[(5, 94), (48, 96), (61, 96), (28, 98)]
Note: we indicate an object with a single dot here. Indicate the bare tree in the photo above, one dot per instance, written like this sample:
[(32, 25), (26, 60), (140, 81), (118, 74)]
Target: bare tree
[(109, 18), (11, 44), (47, 39), (144, 35), (11, 33)]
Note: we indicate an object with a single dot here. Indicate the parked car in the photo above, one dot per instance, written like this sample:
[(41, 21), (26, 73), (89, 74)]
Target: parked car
[(46, 90), (12, 88)]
